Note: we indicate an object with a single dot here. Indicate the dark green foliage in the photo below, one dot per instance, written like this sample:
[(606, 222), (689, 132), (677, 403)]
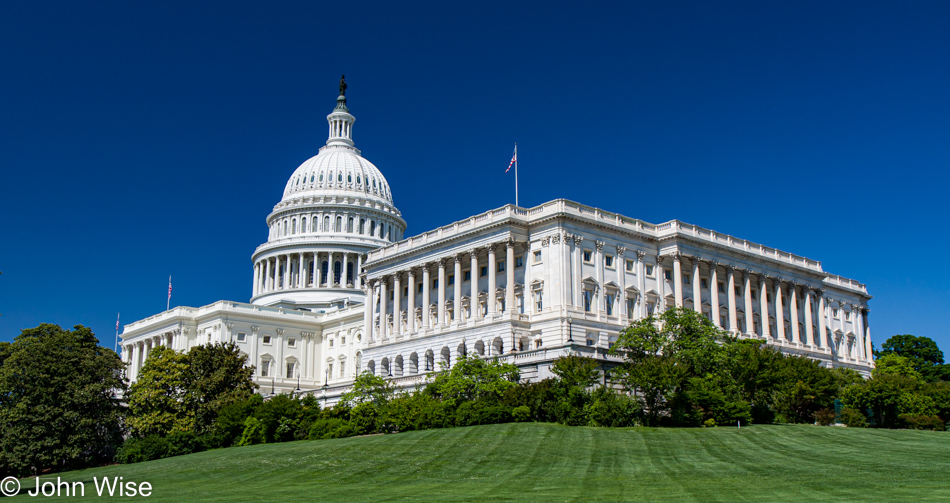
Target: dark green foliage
[(481, 412), (521, 414), (825, 417), (217, 376), (611, 408), (804, 387), (921, 352), (916, 422), (853, 418), (58, 405), (229, 424)]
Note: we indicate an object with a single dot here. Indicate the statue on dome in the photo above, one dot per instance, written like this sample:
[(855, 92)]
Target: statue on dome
[(343, 85)]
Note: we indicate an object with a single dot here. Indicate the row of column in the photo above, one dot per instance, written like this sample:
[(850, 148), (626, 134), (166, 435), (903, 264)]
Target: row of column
[(778, 290), (572, 247), (137, 352), (456, 262), (304, 270), (333, 223)]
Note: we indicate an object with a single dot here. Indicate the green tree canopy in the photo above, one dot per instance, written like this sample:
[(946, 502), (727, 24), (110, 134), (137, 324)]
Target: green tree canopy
[(58, 400), (473, 378), (922, 353)]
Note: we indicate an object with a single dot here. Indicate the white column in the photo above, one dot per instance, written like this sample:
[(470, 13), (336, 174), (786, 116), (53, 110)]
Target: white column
[(621, 268), (763, 307), (359, 270), (492, 286), (368, 312), (426, 284), (793, 313), (257, 271), (397, 303), (510, 277), (714, 293), (809, 331), (731, 298), (747, 301), (267, 281), (383, 309), (578, 268), (411, 304), (677, 280), (641, 284), (343, 273), (601, 294), (660, 286), (779, 311), (301, 279), (697, 287), (858, 332), (441, 306), (473, 288), (868, 350), (457, 291)]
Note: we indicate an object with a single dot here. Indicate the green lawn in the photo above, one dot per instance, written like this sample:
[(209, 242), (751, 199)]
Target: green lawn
[(545, 462)]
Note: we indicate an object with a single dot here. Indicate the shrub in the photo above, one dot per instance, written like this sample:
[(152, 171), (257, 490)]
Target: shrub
[(610, 408), (136, 450), (918, 422), (853, 418), (253, 432), (363, 418), (521, 414), (825, 417), (709, 423)]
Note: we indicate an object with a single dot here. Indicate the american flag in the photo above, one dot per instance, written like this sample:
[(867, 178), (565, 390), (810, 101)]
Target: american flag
[(117, 322), (169, 288), (514, 159)]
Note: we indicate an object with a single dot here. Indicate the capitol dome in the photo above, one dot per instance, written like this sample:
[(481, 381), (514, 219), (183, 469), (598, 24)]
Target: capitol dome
[(336, 207)]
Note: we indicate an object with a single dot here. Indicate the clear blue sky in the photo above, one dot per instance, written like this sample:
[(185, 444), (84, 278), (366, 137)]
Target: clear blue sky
[(142, 139)]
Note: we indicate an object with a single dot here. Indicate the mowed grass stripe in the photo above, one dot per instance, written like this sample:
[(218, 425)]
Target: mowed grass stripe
[(547, 462)]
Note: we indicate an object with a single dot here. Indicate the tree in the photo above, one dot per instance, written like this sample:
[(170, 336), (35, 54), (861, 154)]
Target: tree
[(58, 400), (472, 378), (368, 387), (158, 399), (922, 352), (218, 375)]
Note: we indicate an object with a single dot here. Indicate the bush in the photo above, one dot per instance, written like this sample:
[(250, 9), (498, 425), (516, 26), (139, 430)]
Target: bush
[(853, 418), (521, 414), (136, 450), (363, 418), (709, 423), (481, 412), (326, 428), (610, 408), (253, 432), (825, 417), (918, 422)]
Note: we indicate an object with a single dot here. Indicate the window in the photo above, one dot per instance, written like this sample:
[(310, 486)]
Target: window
[(753, 294), (537, 344), (362, 224), (290, 370), (435, 284), (722, 320), (330, 369), (483, 271), (587, 299), (420, 288), (649, 270), (722, 287), (668, 275), (686, 279), (405, 291), (608, 261), (539, 301), (467, 275), (703, 284), (629, 265), (768, 297), (339, 224), (590, 342), (343, 340), (834, 312), (630, 307), (501, 267), (587, 256), (266, 339), (342, 368), (738, 291), (291, 342), (241, 336), (265, 368), (519, 261), (537, 256), (610, 304), (451, 279)]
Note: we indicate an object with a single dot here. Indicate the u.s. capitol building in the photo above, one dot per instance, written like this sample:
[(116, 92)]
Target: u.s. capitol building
[(338, 289)]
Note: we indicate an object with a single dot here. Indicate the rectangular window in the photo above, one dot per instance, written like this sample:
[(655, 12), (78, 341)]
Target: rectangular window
[(540, 303), (722, 287), (519, 261), (587, 299), (291, 342), (266, 339), (420, 288), (587, 256), (451, 279), (768, 297), (483, 271), (753, 294), (537, 256), (501, 267), (703, 284), (630, 308), (649, 270), (242, 336), (330, 369), (330, 341), (834, 312), (343, 340), (608, 261), (265, 367), (290, 370), (686, 279), (342, 368), (738, 291), (467, 275), (630, 265), (405, 291), (668, 275), (435, 284), (610, 304)]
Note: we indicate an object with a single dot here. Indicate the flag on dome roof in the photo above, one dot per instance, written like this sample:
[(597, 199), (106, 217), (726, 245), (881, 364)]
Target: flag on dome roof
[(514, 159)]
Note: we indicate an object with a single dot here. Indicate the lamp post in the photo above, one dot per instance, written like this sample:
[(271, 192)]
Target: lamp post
[(325, 386), (570, 333)]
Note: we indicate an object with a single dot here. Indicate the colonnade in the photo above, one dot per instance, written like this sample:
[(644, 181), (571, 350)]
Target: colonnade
[(135, 353), (334, 222), (295, 270), (481, 304)]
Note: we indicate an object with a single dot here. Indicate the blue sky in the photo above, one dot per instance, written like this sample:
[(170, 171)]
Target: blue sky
[(142, 139)]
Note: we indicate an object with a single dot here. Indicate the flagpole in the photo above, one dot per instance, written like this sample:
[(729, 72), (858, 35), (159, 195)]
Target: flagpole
[(116, 348), (516, 173), (169, 301)]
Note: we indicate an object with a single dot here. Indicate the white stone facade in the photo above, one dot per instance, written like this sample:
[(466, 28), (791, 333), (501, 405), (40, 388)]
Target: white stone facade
[(337, 290)]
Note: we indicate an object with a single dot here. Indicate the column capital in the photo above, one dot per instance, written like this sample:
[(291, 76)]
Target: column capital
[(577, 239), (676, 256), (442, 262), (620, 250), (545, 240), (473, 253), (556, 238), (411, 273), (641, 254), (458, 258), (820, 292), (599, 245), (510, 243)]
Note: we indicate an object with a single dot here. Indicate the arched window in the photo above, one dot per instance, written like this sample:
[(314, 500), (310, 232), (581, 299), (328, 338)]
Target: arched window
[(321, 177), (323, 269), (358, 182), (285, 228), (349, 272), (339, 224), (362, 224), (372, 228), (313, 225), (349, 178), (303, 225), (311, 178), (326, 224), (293, 226), (337, 270), (349, 225), (339, 177)]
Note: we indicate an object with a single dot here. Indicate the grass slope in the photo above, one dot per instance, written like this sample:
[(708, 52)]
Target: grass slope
[(546, 462)]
